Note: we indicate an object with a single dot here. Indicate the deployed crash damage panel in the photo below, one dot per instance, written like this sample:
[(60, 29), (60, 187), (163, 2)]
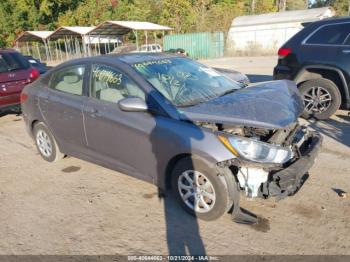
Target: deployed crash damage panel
[(270, 105)]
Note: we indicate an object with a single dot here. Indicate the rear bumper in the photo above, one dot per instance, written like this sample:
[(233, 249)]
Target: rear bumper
[(282, 72), (288, 181)]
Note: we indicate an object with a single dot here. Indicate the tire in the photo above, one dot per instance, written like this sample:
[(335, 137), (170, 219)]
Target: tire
[(330, 94), (217, 186), (46, 143)]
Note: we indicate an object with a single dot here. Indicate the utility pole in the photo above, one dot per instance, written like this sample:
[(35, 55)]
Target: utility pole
[(307, 4)]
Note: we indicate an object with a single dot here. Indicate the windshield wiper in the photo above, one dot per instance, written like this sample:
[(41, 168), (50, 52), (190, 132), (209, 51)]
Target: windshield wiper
[(228, 92), (192, 103)]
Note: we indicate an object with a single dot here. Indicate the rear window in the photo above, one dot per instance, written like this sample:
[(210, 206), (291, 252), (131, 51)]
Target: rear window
[(330, 35), (12, 61)]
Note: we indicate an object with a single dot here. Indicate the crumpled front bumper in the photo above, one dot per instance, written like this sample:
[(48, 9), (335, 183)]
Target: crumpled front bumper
[(289, 180)]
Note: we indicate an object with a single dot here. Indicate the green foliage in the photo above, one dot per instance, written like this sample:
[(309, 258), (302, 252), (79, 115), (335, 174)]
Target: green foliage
[(182, 15), (21, 15), (265, 6), (178, 14), (296, 4)]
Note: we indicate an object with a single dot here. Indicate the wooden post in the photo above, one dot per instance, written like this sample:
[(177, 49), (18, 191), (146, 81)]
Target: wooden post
[(146, 37), (155, 37), (137, 39), (46, 51), (83, 43), (38, 49), (59, 46), (99, 47), (28, 48), (66, 47)]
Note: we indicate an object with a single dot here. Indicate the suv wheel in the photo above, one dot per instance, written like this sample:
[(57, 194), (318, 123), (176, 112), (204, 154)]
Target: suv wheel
[(46, 143), (200, 190), (321, 98)]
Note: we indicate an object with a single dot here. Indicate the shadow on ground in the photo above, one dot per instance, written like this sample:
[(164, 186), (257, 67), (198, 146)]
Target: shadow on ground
[(337, 128), (10, 112), (183, 236)]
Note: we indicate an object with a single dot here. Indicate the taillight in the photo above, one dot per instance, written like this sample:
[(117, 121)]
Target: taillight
[(23, 97), (283, 52), (34, 74)]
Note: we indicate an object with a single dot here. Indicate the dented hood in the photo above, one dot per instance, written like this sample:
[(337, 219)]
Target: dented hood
[(270, 105)]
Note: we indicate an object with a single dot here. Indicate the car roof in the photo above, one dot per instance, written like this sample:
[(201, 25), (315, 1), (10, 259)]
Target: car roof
[(127, 58), (332, 20), (297, 39)]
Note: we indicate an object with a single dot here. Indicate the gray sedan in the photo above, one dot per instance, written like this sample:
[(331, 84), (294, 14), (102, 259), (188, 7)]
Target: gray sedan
[(176, 123)]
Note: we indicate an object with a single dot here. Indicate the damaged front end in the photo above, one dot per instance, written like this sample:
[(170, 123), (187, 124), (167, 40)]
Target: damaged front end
[(268, 163), (259, 125), (279, 166)]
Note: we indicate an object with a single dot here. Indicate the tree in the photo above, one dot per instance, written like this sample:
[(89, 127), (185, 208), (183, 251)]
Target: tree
[(219, 16), (265, 6), (296, 4), (182, 15), (20, 15), (178, 14)]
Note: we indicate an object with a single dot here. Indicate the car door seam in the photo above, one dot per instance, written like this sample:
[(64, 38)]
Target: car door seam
[(84, 127)]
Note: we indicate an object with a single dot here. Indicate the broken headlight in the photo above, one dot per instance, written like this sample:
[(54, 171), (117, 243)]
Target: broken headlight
[(257, 151)]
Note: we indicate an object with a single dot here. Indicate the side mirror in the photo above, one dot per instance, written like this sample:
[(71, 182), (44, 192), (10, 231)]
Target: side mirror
[(133, 104)]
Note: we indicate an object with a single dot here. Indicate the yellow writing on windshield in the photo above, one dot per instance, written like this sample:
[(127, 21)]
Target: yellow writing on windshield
[(107, 76)]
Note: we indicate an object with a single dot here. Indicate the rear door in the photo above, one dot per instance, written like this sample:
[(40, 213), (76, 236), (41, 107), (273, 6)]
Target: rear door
[(14, 74), (62, 106), (324, 45), (344, 62)]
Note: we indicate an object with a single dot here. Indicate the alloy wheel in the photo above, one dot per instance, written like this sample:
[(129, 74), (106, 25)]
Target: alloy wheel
[(44, 143), (196, 191), (317, 100)]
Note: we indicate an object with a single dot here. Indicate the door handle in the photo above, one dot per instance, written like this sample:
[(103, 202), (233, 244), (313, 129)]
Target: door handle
[(45, 98), (91, 110), (346, 51)]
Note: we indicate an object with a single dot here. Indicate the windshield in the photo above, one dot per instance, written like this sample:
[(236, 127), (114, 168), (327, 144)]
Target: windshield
[(185, 82), (11, 62)]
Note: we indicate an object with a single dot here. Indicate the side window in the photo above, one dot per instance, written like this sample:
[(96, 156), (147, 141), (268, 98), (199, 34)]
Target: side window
[(109, 84), (69, 80), (330, 35)]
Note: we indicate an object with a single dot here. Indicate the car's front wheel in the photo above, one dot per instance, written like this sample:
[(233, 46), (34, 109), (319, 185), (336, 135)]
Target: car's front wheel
[(200, 189), (46, 143), (321, 98)]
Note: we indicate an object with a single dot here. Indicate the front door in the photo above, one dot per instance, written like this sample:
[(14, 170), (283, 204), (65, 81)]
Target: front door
[(122, 140)]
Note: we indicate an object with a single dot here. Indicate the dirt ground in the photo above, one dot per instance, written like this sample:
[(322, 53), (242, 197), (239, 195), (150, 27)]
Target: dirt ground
[(74, 207)]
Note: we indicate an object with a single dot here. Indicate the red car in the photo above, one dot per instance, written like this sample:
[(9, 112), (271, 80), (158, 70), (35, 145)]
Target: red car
[(15, 73)]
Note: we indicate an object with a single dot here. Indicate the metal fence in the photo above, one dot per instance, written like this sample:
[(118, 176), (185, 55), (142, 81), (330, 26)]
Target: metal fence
[(58, 51), (197, 45)]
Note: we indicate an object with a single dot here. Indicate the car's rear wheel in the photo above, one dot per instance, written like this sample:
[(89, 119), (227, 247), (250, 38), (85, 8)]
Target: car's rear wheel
[(46, 143), (321, 98), (200, 189)]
